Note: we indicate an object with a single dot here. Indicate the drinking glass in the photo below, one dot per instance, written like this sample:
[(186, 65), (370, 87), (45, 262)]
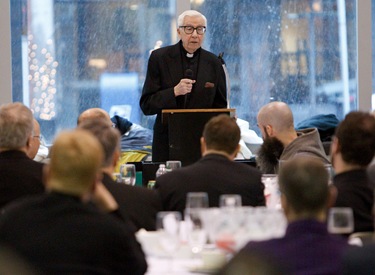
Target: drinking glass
[(271, 190), (196, 233), (196, 200), (128, 175), (230, 201), (168, 224), (173, 165), (340, 220)]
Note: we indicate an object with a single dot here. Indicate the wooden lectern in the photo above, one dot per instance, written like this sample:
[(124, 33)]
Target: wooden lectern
[(185, 128)]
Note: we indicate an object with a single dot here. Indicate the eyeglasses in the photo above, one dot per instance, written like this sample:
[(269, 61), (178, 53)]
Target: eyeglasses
[(39, 137), (191, 29)]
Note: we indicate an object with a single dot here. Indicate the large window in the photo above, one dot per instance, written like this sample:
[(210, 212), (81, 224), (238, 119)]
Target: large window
[(290, 50), (74, 55)]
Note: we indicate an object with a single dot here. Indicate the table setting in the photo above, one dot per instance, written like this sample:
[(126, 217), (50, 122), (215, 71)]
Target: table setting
[(204, 239)]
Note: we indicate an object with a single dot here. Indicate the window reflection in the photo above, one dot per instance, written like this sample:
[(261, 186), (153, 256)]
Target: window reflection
[(286, 50), (95, 53)]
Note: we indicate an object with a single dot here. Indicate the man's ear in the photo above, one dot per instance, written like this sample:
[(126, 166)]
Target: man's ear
[(335, 146), (203, 146), (237, 150), (97, 180), (332, 195), (29, 141), (116, 157), (269, 130)]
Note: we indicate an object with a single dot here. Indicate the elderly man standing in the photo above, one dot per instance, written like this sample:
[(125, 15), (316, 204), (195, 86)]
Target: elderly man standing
[(282, 141), (215, 173), (307, 247), (352, 150), (19, 175), (61, 232), (182, 76)]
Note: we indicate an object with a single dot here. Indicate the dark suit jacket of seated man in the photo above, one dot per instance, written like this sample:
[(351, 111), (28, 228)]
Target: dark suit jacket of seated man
[(61, 232), (215, 173), (20, 176)]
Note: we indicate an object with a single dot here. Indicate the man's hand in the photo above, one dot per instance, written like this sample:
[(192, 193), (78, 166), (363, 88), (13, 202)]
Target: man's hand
[(103, 198), (184, 87)]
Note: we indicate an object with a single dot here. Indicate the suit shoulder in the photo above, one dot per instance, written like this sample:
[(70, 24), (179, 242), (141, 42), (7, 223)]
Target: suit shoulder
[(210, 55), (172, 49)]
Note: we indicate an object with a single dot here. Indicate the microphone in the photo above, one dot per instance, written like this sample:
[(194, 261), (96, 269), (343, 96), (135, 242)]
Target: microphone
[(188, 74)]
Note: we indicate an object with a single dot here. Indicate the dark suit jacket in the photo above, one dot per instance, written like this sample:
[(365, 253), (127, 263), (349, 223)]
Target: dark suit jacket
[(164, 71), (214, 174), (19, 176), (60, 235), (306, 248), (355, 190), (139, 204)]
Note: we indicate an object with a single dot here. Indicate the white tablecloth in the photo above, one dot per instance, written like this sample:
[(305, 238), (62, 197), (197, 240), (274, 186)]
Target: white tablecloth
[(162, 266)]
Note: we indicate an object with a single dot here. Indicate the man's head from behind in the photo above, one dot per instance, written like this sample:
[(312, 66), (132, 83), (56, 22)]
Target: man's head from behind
[(275, 118), (354, 139), (108, 137), (221, 133), (16, 126), (93, 113), (76, 158), (304, 187)]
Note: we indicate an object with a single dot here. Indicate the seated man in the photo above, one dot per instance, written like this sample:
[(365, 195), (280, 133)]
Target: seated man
[(215, 173), (20, 176), (60, 232), (352, 150), (282, 141), (138, 203), (136, 141), (307, 247)]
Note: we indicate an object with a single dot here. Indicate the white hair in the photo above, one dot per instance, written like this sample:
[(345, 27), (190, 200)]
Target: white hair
[(181, 17)]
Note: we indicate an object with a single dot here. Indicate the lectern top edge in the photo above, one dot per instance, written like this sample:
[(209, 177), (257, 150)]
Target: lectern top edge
[(167, 112), (218, 110)]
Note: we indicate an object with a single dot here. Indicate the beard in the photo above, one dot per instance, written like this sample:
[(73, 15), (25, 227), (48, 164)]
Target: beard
[(269, 154)]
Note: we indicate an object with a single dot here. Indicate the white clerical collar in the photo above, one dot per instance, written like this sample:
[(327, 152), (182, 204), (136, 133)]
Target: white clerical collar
[(189, 55)]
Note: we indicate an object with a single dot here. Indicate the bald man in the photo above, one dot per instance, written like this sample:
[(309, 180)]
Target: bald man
[(93, 113), (134, 138), (282, 141)]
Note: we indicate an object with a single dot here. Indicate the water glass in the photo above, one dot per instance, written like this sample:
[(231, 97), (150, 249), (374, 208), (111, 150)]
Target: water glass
[(128, 173), (271, 191), (196, 232), (196, 200), (340, 220), (168, 223), (173, 165), (230, 200)]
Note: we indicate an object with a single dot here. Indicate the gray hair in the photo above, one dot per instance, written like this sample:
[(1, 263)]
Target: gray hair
[(16, 125), (193, 13), (108, 137)]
